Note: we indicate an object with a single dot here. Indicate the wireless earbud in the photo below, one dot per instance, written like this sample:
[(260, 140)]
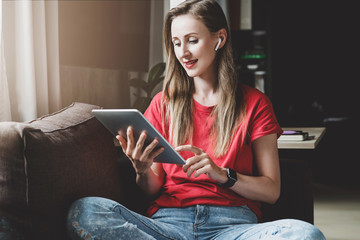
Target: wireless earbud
[(218, 44)]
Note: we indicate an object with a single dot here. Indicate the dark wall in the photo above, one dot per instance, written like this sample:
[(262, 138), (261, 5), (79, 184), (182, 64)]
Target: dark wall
[(315, 49), (315, 79)]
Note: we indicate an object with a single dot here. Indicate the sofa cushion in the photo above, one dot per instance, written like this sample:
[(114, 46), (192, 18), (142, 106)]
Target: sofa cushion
[(12, 178), (53, 161)]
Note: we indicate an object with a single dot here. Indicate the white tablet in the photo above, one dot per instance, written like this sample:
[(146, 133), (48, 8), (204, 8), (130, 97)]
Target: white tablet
[(116, 120)]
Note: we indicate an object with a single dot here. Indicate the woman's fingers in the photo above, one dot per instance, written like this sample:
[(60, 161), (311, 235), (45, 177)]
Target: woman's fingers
[(139, 146), (198, 166), (190, 162), (156, 153), (205, 169), (139, 151), (130, 142), (189, 148), (122, 142), (200, 163), (150, 152)]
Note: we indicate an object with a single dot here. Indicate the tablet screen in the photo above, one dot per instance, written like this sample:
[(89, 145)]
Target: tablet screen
[(118, 120)]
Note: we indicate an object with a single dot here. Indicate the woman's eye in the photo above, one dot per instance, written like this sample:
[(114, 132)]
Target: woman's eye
[(177, 44), (193, 41)]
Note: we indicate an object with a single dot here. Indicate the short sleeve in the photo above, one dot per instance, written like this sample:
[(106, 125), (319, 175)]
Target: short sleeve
[(262, 118)]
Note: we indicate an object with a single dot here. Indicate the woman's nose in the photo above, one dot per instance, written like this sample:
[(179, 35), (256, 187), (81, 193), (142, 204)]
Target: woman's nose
[(184, 52)]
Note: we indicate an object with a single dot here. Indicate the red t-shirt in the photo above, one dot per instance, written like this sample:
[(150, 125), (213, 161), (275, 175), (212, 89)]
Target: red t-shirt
[(181, 191)]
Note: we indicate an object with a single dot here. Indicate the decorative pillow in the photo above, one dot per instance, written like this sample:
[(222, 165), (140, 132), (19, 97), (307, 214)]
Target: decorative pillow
[(58, 158)]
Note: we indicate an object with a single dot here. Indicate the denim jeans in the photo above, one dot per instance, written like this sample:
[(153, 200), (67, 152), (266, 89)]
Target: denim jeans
[(99, 218)]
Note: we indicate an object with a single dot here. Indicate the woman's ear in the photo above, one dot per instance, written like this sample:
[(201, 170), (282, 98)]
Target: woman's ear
[(222, 37)]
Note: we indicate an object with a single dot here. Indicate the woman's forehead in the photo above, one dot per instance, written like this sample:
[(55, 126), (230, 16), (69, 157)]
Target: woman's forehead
[(185, 25)]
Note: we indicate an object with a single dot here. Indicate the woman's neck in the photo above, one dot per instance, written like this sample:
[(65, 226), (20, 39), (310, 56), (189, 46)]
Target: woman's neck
[(206, 91)]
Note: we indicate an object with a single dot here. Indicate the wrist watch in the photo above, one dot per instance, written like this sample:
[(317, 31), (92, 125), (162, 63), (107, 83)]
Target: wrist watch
[(232, 178)]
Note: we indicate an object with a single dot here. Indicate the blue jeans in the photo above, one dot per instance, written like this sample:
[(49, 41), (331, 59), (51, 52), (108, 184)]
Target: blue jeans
[(99, 218)]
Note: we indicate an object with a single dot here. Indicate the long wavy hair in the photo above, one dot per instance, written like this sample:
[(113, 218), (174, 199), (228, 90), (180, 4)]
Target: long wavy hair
[(178, 87)]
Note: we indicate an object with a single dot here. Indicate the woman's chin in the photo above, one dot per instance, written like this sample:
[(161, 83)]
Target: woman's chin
[(191, 74)]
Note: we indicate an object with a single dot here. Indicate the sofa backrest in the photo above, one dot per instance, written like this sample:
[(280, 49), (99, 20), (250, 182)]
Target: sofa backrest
[(48, 163)]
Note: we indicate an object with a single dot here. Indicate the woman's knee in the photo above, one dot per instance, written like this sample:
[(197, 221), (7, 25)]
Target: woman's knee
[(298, 229), (89, 205), (83, 212)]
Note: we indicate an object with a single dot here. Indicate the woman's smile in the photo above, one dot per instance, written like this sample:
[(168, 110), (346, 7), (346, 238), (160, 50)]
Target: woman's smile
[(190, 63)]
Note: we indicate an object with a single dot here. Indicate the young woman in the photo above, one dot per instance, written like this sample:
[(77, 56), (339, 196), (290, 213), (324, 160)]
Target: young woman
[(227, 132)]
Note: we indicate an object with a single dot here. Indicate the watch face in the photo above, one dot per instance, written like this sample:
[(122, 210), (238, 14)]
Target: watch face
[(232, 178), (232, 174)]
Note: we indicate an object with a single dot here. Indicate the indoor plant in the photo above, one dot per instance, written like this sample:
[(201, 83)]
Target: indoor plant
[(155, 76)]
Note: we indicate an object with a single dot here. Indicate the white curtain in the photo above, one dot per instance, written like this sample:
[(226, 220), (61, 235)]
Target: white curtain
[(5, 113), (29, 61)]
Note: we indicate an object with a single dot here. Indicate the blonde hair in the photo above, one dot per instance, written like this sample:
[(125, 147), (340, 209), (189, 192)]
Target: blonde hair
[(178, 87)]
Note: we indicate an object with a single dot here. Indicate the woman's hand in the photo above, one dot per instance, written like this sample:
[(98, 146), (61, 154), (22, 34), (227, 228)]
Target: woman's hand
[(201, 163), (149, 175), (141, 156)]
